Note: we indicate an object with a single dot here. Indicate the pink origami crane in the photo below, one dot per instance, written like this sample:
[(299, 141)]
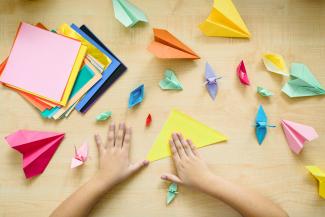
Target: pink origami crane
[(81, 156), (37, 148), (242, 74), (297, 134)]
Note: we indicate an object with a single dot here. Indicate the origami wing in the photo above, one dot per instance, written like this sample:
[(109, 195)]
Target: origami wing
[(297, 134), (127, 13), (136, 96), (167, 46), (261, 123), (211, 81), (81, 156), (225, 21), (242, 74), (36, 147)]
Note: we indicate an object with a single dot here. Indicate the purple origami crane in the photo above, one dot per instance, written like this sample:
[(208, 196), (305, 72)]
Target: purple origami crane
[(211, 81)]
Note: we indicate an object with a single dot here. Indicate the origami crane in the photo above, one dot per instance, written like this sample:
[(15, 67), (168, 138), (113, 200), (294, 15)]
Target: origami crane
[(302, 82), (264, 92), (80, 156), (36, 147), (171, 193), (225, 21), (211, 81), (320, 176), (148, 120), (297, 134), (275, 63), (127, 13), (261, 125), (136, 96), (170, 81), (242, 74), (103, 116), (167, 46)]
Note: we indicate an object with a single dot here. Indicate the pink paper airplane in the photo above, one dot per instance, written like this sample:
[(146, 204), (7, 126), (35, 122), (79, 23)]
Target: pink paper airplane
[(81, 156), (297, 134), (242, 74), (36, 147)]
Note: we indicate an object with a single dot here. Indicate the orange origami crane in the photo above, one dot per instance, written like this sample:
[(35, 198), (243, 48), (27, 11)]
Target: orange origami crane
[(167, 46)]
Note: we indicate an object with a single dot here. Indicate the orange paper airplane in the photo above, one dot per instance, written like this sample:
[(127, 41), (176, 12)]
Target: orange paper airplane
[(167, 46)]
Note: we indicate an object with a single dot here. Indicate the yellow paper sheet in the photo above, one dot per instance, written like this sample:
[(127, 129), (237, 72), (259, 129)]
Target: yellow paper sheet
[(200, 134), (320, 176), (66, 30)]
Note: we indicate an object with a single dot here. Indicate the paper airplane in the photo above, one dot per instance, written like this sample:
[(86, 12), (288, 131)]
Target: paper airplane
[(200, 134), (302, 82), (80, 156), (264, 92), (320, 176), (297, 134), (242, 74), (275, 63), (261, 125), (127, 13), (225, 21), (136, 96), (148, 120), (170, 81), (211, 81), (171, 193), (36, 147), (167, 46)]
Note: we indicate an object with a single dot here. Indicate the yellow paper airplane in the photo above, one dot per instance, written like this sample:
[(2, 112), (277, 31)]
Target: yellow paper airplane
[(200, 134), (320, 176), (225, 21), (275, 63)]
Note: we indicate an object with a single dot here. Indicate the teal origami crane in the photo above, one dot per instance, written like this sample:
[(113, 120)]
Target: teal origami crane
[(103, 116), (171, 193), (136, 96), (127, 13), (302, 82), (264, 92), (261, 125), (170, 81)]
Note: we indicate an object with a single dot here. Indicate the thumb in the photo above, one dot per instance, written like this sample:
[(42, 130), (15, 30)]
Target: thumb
[(137, 166), (171, 178)]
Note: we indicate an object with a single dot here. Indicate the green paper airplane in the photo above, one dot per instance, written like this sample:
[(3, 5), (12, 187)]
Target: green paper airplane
[(170, 81)]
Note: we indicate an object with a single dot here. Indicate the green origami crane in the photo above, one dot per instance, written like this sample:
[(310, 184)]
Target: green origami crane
[(171, 193), (103, 116), (170, 81), (302, 82), (264, 92)]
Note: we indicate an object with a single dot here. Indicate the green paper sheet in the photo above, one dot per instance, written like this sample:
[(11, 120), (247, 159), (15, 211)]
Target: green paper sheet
[(264, 92), (103, 116), (302, 82), (170, 81), (171, 193)]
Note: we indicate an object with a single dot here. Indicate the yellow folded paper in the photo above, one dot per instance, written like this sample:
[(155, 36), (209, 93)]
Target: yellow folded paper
[(320, 176), (225, 21), (275, 63), (200, 134)]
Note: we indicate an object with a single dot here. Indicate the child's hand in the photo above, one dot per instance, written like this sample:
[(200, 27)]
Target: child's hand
[(191, 169), (114, 164)]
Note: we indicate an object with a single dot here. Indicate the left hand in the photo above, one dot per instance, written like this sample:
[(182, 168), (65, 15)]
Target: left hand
[(114, 162)]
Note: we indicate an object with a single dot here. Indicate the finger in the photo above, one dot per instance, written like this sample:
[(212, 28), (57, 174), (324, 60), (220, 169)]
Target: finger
[(127, 139), (174, 151), (179, 146), (138, 166), (100, 145), (185, 145), (171, 178), (110, 136), (120, 135), (193, 148)]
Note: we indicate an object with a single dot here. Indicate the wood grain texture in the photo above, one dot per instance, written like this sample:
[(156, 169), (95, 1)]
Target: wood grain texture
[(293, 28)]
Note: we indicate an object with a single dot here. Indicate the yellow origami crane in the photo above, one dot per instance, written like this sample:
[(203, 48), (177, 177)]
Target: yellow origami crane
[(225, 21), (275, 63), (320, 176), (200, 134)]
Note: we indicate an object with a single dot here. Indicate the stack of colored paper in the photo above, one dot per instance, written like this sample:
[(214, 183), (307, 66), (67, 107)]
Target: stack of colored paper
[(59, 71)]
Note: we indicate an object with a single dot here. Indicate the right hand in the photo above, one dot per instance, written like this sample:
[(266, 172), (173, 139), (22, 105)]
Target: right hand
[(192, 171)]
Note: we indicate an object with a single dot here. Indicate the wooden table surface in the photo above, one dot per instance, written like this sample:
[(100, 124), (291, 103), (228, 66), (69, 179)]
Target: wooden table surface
[(293, 28)]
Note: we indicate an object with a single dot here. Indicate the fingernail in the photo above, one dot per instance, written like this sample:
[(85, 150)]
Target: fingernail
[(163, 177), (145, 162), (112, 126)]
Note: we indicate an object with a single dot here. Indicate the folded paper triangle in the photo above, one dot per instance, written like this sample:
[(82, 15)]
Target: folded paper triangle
[(225, 21), (36, 147), (167, 46), (127, 13), (320, 176), (297, 134), (199, 133)]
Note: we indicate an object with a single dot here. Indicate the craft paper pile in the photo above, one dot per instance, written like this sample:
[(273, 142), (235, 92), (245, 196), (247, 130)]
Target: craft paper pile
[(59, 71)]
